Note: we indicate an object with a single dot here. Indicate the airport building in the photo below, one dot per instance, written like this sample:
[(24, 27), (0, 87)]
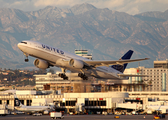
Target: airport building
[(74, 83), (83, 53), (161, 64), (67, 101), (91, 101), (156, 79)]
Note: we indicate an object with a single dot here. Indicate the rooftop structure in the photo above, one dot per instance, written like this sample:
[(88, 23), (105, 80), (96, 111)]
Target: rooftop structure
[(83, 53), (161, 64)]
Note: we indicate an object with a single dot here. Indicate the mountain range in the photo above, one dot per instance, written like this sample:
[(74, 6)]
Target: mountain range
[(105, 33)]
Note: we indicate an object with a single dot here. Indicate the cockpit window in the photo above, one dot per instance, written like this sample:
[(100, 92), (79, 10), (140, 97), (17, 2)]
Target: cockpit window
[(24, 42)]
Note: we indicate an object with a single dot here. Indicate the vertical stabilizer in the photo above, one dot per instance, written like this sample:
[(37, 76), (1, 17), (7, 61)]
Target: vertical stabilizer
[(127, 56), (17, 101)]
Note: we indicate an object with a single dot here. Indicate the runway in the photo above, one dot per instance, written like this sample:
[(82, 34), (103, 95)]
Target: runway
[(79, 117)]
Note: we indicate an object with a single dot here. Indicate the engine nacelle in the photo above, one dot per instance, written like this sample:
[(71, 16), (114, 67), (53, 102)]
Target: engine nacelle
[(76, 63), (41, 64)]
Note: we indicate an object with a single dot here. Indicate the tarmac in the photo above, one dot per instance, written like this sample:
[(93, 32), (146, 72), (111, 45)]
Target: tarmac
[(80, 117)]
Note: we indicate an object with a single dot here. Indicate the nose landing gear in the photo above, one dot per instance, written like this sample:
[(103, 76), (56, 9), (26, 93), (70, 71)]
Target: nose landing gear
[(26, 60)]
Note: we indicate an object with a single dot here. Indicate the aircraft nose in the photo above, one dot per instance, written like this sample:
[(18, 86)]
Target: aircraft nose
[(19, 45)]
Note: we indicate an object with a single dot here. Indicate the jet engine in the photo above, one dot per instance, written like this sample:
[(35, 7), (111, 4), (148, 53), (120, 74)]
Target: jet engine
[(76, 63), (41, 64)]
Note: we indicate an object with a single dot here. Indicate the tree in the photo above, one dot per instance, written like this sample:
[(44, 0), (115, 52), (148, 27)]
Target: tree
[(51, 70), (41, 71)]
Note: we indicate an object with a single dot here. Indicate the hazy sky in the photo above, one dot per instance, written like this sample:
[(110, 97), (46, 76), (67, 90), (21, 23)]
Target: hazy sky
[(128, 6)]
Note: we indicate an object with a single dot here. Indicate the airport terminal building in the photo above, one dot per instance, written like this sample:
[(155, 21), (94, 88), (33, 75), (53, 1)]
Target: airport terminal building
[(67, 101), (91, 101)]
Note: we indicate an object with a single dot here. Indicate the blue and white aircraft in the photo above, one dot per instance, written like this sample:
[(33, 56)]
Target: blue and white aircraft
[(50, 56), (29, 109)]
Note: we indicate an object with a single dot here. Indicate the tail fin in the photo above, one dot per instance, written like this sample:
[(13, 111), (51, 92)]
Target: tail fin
[(17, 101), (127, 56)]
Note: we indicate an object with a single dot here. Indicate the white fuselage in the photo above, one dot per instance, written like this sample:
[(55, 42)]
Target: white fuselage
[(32, 109), (52, 55)]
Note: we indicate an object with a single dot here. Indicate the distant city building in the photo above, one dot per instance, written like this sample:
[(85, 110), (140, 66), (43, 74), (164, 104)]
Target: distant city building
[(83, 53), (161, 64), (54, 82), (156, 79), (28, 87), (76, 84), (135, 83)]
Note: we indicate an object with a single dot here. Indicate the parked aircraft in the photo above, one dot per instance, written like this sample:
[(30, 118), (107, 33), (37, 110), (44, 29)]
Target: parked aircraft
[(157, 108), (29, 109), (50, 56)]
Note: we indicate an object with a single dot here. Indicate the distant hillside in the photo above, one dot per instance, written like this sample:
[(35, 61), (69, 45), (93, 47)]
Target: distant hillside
[(107, 34)]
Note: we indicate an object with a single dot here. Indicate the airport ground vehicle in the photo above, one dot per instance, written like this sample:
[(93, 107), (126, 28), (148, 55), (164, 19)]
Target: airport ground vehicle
[(160, 116), (55, 115), (37, 114)]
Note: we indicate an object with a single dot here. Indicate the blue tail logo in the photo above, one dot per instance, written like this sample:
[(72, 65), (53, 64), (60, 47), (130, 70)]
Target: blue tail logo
[(127, 56), (17, 102)]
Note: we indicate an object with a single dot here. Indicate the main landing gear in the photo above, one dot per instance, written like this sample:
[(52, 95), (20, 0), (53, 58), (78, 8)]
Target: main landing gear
[(83, 76), (62, 75)]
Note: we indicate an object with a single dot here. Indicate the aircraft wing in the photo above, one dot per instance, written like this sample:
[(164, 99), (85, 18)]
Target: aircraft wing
[(128, 75), (115, 62)]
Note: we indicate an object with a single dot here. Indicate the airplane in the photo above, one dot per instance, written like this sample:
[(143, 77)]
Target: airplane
[(156, 108), (29, 109), (50, 56)]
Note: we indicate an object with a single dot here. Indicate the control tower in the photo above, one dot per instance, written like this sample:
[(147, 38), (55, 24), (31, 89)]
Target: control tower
[(83, 53)]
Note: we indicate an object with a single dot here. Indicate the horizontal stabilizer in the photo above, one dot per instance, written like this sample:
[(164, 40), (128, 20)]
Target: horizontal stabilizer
[(128, 75)]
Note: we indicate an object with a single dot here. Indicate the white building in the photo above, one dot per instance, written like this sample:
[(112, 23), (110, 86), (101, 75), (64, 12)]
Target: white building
[(156, 79), (52, 79), (92, 101)]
